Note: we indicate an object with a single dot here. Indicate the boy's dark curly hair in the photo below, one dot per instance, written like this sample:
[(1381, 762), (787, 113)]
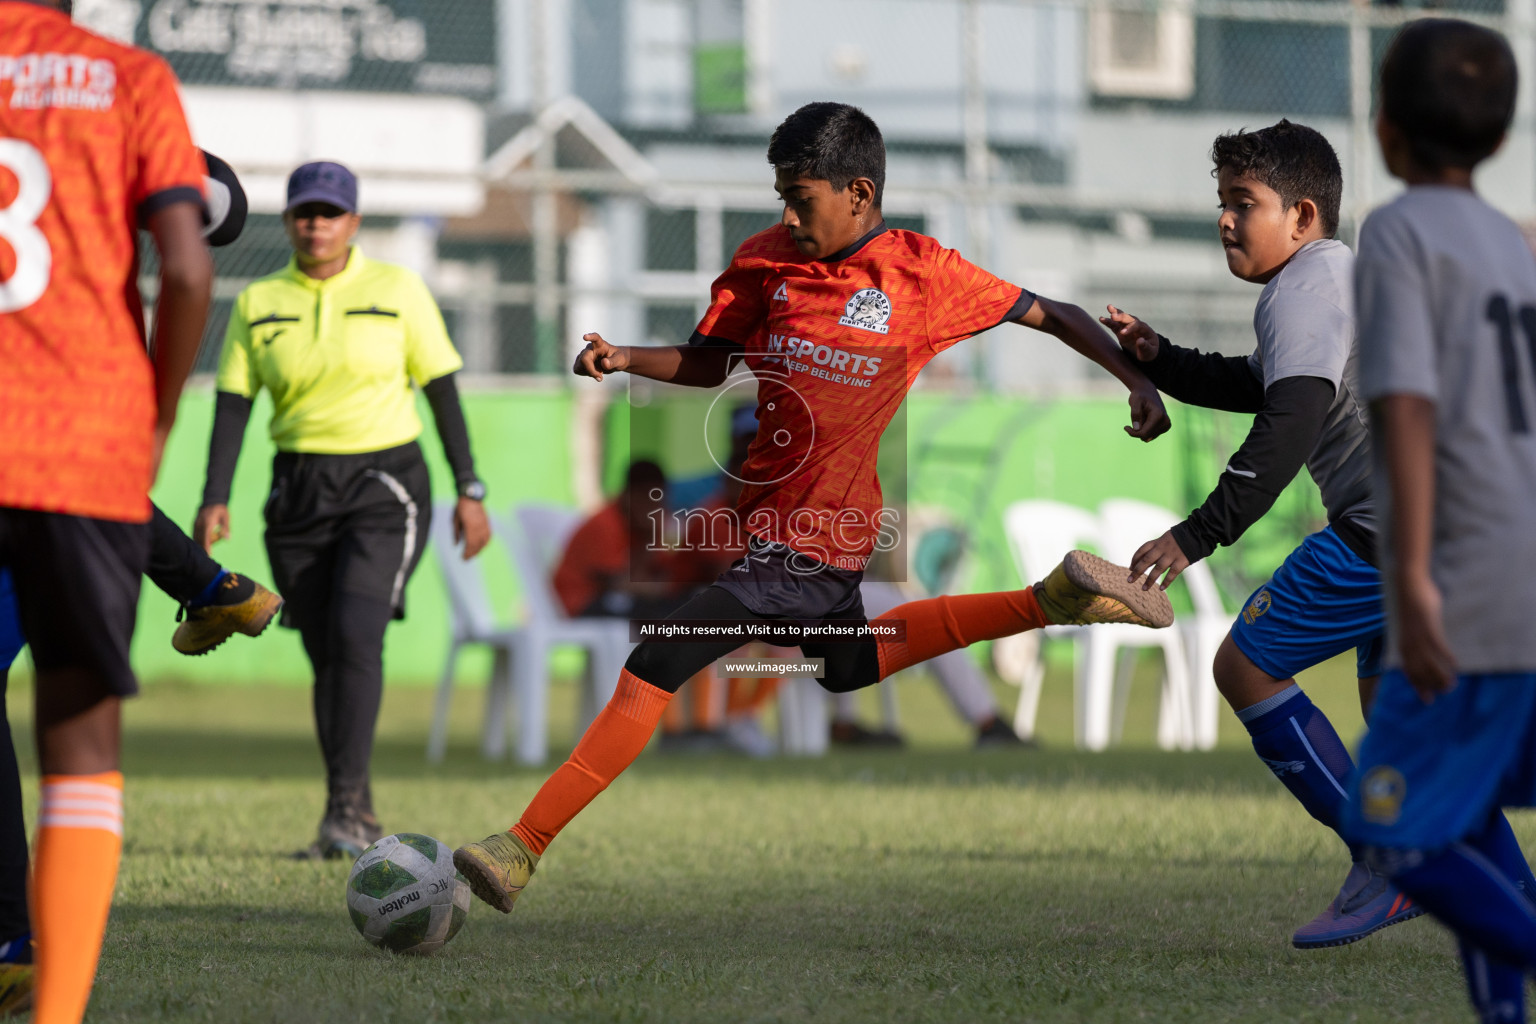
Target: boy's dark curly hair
[(835, 142), (1294, 160)]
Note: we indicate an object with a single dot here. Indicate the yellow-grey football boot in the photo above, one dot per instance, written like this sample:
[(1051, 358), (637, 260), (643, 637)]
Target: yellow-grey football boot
[(497, 868), (239, 605), (1085, 589)]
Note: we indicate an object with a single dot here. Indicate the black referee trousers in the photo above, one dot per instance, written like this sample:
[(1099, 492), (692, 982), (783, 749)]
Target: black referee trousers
[(344, 534)]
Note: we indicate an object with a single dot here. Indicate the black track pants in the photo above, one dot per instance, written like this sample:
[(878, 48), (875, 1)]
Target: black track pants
[(344, 534), (177, 565), (346, 648), (14, 919)]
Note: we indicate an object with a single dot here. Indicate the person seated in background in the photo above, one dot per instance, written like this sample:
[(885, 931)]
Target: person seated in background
[(613, 566)]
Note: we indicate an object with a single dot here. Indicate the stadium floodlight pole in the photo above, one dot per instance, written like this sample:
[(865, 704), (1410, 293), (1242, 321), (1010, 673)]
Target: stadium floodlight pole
[(977, 159)]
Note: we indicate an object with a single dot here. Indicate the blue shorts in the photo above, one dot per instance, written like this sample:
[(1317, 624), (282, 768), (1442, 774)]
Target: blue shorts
[(1431, 774), (1322, 601), (11, 640)]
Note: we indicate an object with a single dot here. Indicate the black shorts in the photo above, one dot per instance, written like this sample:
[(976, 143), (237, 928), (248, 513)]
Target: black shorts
[(777, 582), (346, 524), (77, 590)]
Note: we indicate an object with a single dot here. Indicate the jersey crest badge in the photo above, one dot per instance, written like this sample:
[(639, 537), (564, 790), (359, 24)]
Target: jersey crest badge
[(782, 295), (1381, 795), (1258, 606), (868, 310)]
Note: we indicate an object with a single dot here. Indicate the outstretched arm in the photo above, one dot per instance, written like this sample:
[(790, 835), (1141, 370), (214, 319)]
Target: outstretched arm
[(692, 366), (1207, 379), (1283, 435), (1074, 326)]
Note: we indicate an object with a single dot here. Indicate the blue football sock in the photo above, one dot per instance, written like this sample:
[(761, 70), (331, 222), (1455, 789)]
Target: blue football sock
[(206, 597), (17, 950), (1499, 843), (1497, 988), (1298, 743), (1474, 895)]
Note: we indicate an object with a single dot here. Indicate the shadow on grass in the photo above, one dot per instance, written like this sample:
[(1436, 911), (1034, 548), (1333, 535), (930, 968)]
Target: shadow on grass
[(180, 753)]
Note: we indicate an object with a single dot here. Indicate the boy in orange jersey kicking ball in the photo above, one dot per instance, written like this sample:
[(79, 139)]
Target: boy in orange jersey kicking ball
[(835, 314)]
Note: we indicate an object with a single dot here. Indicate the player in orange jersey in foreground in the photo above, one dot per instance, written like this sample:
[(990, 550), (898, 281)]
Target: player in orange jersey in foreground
[(92, 141), (834, 314)]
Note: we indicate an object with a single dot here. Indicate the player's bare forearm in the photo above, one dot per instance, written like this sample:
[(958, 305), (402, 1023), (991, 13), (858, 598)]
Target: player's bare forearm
[(690, 366), (1082, 333), (186, 284), (1404, 429)]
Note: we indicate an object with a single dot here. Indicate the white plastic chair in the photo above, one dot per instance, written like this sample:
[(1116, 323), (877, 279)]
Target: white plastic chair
[(803, 727), (472, 622), (1040, 533), (1126, 525), (1129, 524), (537, 535)]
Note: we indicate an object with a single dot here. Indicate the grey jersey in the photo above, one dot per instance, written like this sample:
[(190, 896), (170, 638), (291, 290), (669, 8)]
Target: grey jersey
[(1447, 298), (1305, 323)]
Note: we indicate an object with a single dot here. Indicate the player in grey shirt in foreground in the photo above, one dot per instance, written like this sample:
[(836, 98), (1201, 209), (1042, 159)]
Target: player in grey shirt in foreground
[(1447, 297), (1280, 190)]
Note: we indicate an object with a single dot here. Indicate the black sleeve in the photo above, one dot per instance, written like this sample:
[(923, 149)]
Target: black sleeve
[(443, 395), (1283, 435), (1208, 379), (231, 412), (698, 340)]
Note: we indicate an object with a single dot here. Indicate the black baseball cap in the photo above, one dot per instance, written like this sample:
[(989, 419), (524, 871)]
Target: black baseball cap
[(227, 206), (322, 182)]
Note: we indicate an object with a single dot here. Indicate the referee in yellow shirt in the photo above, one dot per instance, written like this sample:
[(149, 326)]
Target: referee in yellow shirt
[(339, 340)]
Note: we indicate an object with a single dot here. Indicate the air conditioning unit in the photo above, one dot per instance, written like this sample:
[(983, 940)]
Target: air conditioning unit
[(1149, 54)]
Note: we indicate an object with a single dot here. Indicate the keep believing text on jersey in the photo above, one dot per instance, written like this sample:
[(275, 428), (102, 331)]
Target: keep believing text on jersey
[(838, 365), (69, 80)]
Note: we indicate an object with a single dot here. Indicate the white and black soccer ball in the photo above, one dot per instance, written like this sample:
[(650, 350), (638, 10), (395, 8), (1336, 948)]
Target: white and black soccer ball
[(404, 894)]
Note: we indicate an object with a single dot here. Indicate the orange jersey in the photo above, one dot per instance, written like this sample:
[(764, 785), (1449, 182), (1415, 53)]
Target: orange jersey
[(92, 137), (835, 344)]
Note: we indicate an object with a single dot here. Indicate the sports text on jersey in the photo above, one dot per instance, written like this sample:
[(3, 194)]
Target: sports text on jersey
[(71, 80), (838, 365)]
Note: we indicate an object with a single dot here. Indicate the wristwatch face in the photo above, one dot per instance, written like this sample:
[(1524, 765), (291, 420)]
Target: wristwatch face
[(473, 491)]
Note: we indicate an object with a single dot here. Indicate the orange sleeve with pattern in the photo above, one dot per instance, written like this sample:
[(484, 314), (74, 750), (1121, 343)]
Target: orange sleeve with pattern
[(964, 300), (168, 168), (737, 309)]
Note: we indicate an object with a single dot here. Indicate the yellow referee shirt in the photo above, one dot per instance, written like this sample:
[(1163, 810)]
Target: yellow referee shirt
[(339, 356)]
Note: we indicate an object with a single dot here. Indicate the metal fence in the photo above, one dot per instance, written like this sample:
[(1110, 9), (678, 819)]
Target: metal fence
[(1062, 143)]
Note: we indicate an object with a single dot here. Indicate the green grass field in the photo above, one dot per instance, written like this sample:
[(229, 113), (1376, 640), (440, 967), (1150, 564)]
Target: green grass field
[(931, 885)]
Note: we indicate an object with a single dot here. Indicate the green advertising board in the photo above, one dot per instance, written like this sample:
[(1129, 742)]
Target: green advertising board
[(409, 46)]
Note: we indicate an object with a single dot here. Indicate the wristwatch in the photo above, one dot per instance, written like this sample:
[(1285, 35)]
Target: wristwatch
[(474, 490)]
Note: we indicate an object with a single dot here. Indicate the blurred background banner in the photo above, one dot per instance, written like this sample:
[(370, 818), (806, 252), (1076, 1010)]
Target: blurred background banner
[(559, 166)]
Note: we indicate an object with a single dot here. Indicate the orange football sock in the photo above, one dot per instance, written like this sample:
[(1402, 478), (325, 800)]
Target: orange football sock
[(79, 838), (938, 625), (615, 738)]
